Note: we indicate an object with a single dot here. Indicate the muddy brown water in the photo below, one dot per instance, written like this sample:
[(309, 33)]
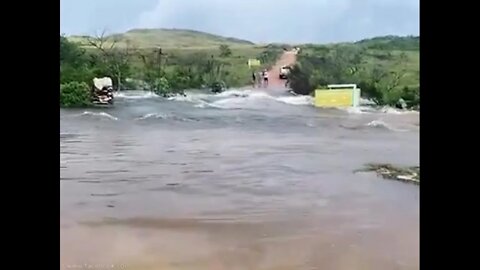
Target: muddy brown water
[(243, 180)]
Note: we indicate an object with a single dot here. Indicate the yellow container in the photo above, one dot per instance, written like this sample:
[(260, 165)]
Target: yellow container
[(337, 97), (254, 63)]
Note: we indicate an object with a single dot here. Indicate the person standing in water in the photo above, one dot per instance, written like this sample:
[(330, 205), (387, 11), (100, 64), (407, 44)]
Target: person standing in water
[(254, 79), (265, 78)]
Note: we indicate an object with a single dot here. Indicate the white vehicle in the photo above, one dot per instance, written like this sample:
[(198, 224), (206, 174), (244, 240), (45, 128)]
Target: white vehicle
[(284, 71), (102, 91)]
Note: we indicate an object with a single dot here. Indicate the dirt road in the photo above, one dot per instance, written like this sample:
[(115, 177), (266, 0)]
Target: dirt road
[(288, 58)]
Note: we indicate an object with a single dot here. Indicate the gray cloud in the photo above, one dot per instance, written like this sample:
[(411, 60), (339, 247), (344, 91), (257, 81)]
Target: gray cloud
[(91, 16), (257, 20)]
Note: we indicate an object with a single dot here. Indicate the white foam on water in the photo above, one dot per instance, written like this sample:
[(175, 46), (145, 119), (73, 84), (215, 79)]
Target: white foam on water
[(240, 99), (193, 98), (390, 110), (201, 105), (229, 103), (354, 110), (234, 93), (134, 94), (164, 117), (382, 124), (382, 110), (151, 115), (296, 100), (367, 102), (248, 99), (377, 123), (199, 99), (99, 115)]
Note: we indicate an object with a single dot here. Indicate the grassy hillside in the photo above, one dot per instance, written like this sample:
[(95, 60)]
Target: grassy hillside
[(167, 38)]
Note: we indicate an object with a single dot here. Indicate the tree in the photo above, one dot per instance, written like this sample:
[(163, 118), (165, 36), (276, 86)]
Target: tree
[(70, 53), (116, 60), (225, 50), (213, 71), (300, 80), (153, 71), (74, 63)]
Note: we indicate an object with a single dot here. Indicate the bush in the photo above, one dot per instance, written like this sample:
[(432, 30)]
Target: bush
[(161, 87), (74, 94), (218, 87), (225, 51), (68, 73), (371, 91), (411, 95), (300, 81)]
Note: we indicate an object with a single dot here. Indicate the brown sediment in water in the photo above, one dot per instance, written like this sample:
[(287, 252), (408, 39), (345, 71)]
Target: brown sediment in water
[(299, 243), (220, 194)]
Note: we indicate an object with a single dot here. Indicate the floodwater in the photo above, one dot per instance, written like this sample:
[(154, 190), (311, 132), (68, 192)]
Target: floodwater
[(240, 180)]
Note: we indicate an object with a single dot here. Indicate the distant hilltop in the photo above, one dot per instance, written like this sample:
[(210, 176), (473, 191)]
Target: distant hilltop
[(392, 42), (185, 38), (167, 38)]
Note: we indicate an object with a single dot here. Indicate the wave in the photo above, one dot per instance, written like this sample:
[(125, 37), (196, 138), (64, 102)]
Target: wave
[(229, 99), (134, 94), (381, 110), (356, 110), (367, 102), (99, 115), (234, 93), (390, 110), (241, 99), (151, 115), (164, 117), (296, 100), (377, 124), (383, 125), (248, 98), (192, 98)]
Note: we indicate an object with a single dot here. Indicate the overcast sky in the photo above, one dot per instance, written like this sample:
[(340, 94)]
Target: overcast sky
[(296, 21)]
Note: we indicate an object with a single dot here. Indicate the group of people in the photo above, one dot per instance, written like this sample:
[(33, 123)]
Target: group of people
[(260, 79)]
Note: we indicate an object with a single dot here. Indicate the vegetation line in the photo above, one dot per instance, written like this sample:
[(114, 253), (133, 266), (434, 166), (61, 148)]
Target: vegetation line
[(385, 68)]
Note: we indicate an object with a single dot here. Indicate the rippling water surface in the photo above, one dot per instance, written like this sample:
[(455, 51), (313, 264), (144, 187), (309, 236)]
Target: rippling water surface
[(241, 180)]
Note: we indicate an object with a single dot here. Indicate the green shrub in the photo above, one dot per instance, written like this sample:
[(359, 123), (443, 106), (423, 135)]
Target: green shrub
[(225, 51), (411, 95), (74, 94), (162, 86)]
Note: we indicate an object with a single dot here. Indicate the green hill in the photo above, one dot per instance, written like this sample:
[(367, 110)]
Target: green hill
[(167, 38), (408, 43)]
